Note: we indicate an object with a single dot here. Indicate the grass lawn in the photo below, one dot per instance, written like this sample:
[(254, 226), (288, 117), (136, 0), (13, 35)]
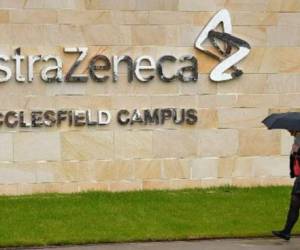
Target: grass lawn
[(143, 215)]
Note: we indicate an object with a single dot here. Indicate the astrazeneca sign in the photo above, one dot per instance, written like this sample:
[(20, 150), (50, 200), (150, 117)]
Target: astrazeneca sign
[(97, 64), (144, 69)]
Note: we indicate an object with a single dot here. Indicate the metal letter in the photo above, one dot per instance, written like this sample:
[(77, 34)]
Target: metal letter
[(30, 62), (49, 118), (175, 116), (89, 119), (150, 118), (160, 70), (139, 67), (136, 117), (104, 117), (11, 119), (93, 67), (116, 60), (18, 58), (36, 118), (76, 78), (58, 68), (79, 118), (1, 118), (23, 123), (191, 116), (193, 69), (120, 114), (6, 70), (165, 114), (61, 116)]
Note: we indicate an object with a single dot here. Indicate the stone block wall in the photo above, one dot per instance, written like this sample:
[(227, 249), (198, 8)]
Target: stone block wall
[(228, 145)]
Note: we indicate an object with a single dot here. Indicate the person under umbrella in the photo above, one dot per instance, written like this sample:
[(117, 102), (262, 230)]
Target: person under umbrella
[(291, 122)]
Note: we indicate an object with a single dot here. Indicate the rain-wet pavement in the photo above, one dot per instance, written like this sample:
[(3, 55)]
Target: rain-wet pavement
[(224, 244)]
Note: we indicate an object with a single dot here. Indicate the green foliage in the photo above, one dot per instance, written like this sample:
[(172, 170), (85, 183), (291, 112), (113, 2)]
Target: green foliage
[(143, 215)]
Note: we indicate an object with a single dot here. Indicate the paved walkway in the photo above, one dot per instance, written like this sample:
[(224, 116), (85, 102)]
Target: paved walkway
[(227, 244)]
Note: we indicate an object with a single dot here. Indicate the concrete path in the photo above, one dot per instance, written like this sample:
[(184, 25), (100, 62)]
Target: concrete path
[(227, 244)]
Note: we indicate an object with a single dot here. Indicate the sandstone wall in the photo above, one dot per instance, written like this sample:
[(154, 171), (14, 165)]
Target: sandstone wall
[(228, 145)]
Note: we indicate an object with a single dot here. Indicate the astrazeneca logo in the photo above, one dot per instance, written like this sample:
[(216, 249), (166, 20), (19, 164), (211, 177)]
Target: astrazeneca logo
[(226, 58), (143, 69)]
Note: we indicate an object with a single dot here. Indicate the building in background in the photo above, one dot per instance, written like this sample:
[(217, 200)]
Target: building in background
[(227, 145)]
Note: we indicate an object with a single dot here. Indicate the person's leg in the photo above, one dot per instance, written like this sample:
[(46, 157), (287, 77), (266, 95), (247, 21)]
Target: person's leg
[(293, 213), (291, 219)]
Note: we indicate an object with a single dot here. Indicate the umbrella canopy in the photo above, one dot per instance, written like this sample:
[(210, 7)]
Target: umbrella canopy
[(289, 121)]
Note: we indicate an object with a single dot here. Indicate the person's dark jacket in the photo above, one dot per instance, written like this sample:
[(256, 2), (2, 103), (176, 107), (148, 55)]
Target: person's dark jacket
[(292, 160)]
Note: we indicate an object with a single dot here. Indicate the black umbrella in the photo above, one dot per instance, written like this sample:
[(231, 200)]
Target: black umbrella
[(289, 121)]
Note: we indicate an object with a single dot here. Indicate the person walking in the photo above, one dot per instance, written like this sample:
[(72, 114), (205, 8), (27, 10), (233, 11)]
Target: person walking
[(293, 212)]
